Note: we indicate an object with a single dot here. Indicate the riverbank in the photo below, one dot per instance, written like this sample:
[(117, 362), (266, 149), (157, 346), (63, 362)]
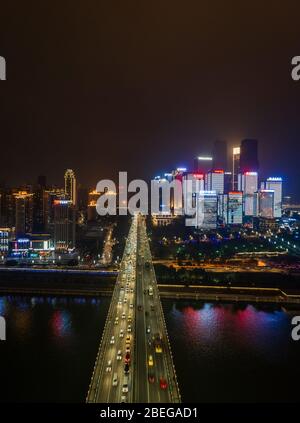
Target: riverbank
[(96, 284)]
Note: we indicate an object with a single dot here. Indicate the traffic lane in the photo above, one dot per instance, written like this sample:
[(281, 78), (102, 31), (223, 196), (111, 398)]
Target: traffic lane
[(143, 393), (151, 322), (140, 345), (100, 371), (155, 391), (159, 358)]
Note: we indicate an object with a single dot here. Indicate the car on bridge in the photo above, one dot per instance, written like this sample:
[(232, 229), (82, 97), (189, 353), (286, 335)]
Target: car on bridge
[(151, 378), (115, 380), (125, 384), (112, 340), (158, 348), (127, 358), (108, 367), (163, 383), (119, 355), (150, 361)]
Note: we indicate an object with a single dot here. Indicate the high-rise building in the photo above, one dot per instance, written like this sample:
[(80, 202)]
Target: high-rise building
[(275, 184), (6, 235), (70, 186), (24, 212), (249, 156), (92, 202), (227, 181), (7, 208), (235, 208), (248, 183), (219, 154), (264, 203), (50, 195), (236, 154), (64, 224), (193, 183), (39, 222), (207, 210), (214, 181), (223, 209), (203, 164)]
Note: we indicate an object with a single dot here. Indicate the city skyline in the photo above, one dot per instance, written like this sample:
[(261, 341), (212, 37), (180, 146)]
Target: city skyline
[(149, 208)]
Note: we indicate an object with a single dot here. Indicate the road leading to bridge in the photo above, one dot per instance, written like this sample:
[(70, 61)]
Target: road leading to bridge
[(134, 362)]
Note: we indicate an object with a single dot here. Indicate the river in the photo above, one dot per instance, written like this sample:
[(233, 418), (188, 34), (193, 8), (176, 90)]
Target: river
[(221, 352)]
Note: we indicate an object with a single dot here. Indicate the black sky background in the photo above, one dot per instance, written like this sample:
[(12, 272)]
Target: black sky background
[(102, 86)]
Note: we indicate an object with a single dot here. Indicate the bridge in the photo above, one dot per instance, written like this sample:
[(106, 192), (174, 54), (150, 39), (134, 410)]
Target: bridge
[(134, 362)]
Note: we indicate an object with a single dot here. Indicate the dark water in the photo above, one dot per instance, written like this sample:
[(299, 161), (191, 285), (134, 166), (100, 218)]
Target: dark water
[(51, 347), (233, 353), (221, 352)]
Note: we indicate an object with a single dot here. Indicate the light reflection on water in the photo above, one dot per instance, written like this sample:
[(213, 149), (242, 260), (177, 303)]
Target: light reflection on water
[(51, 347), (232, 353), (221, 352)]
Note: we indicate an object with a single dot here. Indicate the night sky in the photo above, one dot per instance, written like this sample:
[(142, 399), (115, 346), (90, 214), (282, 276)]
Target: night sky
[(144, 86)]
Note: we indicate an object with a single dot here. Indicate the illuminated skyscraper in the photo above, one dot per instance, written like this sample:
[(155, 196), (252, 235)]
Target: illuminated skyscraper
[(207, 210), (70, 185), (275, 184), (248, 183), (203, 164), (236, 154), (92, 202), (193, 183), (64, 224), (222, 209), (214, 181), (235, 208), (264, 203), (24, 212)]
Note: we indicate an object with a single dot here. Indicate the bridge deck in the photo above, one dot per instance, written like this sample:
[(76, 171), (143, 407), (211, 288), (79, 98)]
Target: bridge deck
[(135, 304)]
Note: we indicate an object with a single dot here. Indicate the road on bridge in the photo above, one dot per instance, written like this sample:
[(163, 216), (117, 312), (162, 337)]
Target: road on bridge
[(134, 362)]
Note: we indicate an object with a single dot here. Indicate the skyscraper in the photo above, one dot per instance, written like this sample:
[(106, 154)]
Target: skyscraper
[(64, 224), (236, 155), (214, 181), (24, 212), (248, 183), (235, 208), (275, 184), (223, 209), (219, 155), (207, 210), (70, 185), (193, 183), (264, 203), (92, 202), (203, 164), (249, 155)]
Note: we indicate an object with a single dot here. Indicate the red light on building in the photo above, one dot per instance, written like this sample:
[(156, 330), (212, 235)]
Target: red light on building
[(198, 175), (218, 171)]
